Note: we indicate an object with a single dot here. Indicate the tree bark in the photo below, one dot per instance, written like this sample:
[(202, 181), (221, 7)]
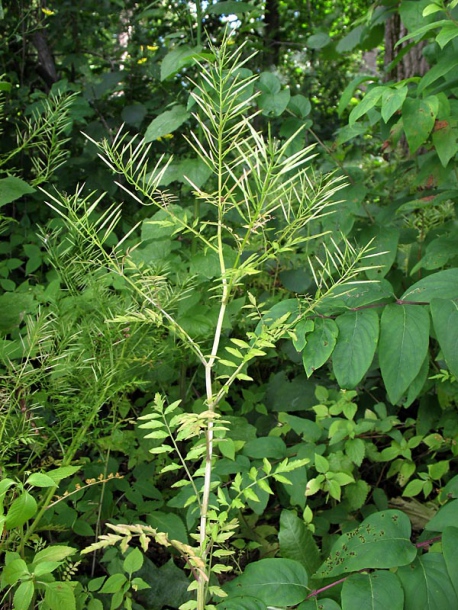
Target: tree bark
[(412, 63)]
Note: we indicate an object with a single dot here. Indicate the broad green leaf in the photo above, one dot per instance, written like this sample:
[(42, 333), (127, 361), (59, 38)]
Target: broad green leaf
[(427, 585), (418, 116), (133, 562), (243, 602), (392, 101), (320, 344), (271, 447), (380, 541), (229, 7), (53, 553), (355, 347), (441, 285), (349, 297), (370, 100), (446, 516), (445, 64), (445, 142), (445, 320), (431, 9), (404, 339), (169, 523), (114, 583), (23, 595), (297, 543), (269, 83), (417, 384), (300, 105), (351, 40), (46, 567), (384, 243), (21, 510), (318, 41), (12, 188), (14, 571), (309, 430), (349, 91), (177, 59), (38, 479), (356, 494), (133, 114), (186, 171), (355, 448), (376, 591), (450, 551), (276, 582), (166, 122), (447, 33), (274, 104), (319, 604), (58, 474), (60, 595)]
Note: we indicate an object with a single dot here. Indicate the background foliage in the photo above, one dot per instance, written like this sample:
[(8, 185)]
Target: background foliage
[(360, 389)]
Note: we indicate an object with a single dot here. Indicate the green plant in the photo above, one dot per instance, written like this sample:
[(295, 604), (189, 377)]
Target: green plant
[(262, 203), (35, 580)]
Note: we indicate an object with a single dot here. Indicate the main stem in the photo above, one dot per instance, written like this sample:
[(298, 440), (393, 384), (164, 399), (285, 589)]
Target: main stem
[(212, 401)]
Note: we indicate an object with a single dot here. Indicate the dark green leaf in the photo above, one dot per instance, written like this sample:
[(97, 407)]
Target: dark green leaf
[(166, 123), (355, 347), (320, 344), (318, 41), (392, 101), (229, 7), (169, 523), (427, 585), (276, 582), (446, 517), (177, 59), (450, 550), (370, 100), (274, 104), (319, 604), (445, 319), (381, 541), (418, 117), (445, 142), (383, 242), (13, 188), (441, 285), (404, 340), (376, 591), (242, 603), (296, 542), (271, 447)]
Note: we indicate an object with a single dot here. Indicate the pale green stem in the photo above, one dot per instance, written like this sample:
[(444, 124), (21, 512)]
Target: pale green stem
[(211, 402)]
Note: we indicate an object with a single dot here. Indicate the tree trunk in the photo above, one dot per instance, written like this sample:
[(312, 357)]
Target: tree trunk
[(412, 63)]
